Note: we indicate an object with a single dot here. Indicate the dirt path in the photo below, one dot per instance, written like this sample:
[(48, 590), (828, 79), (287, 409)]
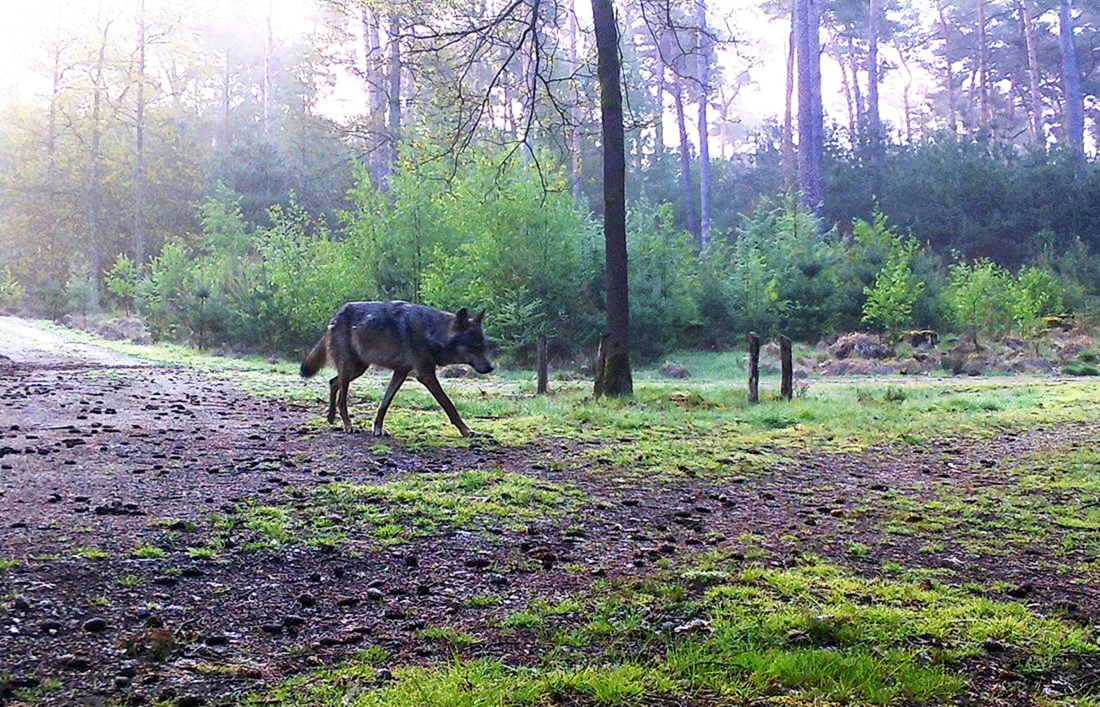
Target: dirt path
[(113, 472), (105, 460)]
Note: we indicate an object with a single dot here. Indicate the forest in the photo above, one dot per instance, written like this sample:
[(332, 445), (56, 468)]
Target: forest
[(183, 163)]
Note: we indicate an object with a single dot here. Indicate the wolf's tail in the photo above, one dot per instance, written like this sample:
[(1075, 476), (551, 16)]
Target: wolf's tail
[(316, 359)]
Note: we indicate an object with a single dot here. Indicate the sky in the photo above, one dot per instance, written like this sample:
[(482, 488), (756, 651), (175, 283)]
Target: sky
[(764, 98)]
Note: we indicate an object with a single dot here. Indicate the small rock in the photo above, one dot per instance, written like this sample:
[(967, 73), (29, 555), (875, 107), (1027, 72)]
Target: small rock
[(375, 594), (78, 663), (675, 370), (479, 562), (293, 621), (411, 561), (992, 645), (94, 625), (307, 600)]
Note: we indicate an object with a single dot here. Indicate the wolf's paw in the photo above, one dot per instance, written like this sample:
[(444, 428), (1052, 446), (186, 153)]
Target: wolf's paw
[(479, 438), (379, 432)]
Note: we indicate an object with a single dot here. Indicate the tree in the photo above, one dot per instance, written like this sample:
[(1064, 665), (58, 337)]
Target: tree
[(1038, 139), (890, 299), (811, 130), (1073, 114), (617, 381), (703, 49), (874, 122)]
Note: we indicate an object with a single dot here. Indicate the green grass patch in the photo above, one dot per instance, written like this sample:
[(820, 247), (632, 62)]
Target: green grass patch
[(91, 553), (815, 633), (418, 505), (148, 552), (1048, 500)]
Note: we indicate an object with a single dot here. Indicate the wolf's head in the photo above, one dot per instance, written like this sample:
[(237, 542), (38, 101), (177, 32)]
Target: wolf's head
[(468, 341)]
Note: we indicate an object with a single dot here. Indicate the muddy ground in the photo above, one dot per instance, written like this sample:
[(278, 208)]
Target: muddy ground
[(101, 454)]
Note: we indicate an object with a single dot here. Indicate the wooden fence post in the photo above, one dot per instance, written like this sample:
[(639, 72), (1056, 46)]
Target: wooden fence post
[(601, 363), (754, 368), (543, 364), (786, 390)]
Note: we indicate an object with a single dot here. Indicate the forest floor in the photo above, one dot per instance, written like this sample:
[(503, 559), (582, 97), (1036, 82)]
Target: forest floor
[(164, 536)]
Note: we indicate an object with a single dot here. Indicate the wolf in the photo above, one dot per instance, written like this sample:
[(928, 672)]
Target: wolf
[(404, 338)]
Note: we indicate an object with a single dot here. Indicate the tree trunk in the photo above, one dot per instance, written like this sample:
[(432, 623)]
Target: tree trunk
[(874, 122), (983, 70), (811, 143), (268, 42), (704, 128), (374, 71), (1074, 112), (948, 73), (687, 184), (95, 199), (576, 145), (617, 380), (139, 145), (1036, 129), (857, 94), (660, 74), (790, 164), (393, 68), (846, 88)]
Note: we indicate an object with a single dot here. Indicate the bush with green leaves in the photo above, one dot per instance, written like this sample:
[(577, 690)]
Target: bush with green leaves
[(11, 291), (778, 276), (122, 281), (976, 298), (663, 280), (889, 303), (497, 234), (1033, 294)]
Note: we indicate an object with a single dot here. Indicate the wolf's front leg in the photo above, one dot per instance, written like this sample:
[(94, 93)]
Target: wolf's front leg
[(396, 380)]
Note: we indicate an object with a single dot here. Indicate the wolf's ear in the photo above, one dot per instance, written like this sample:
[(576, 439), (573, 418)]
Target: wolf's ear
[(462, 319)]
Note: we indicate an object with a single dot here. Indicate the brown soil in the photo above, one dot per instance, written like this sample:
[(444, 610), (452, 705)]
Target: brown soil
[(102, 451)]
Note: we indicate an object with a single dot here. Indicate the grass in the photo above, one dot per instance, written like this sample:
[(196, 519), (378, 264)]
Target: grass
[(712, 628), (392, 513), (815, 633), (1047, 499)]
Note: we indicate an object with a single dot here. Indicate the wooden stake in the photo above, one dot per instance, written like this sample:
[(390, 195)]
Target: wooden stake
[(543, 364), (786, 390), (754, 368)]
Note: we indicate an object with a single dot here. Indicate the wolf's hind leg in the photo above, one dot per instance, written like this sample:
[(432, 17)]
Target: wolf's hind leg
[(333, 388), (343, 380)]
